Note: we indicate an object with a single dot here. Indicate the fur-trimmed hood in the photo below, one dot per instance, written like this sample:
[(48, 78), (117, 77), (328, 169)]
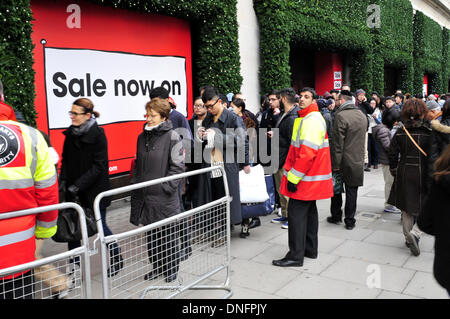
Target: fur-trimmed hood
[(436, 125)]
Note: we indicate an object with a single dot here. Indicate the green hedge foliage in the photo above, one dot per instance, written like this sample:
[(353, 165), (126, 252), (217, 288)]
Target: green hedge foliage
[(411, 44), (216, 59), (427, 53), (16, 57)]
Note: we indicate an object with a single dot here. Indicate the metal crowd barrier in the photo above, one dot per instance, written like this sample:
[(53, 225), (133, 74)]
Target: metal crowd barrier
[(63, 275), (154, 261)]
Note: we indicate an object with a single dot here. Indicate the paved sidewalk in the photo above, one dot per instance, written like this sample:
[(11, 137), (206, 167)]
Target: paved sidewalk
[(348, 260)]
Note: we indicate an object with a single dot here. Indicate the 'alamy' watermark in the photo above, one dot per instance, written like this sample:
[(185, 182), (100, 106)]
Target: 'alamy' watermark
[(74, 20), (374, 279), (374, 19)]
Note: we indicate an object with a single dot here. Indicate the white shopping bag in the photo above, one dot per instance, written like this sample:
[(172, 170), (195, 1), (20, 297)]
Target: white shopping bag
[(252, 186)]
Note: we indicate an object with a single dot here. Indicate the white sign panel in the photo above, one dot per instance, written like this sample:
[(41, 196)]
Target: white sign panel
[(117, 83), (337, 75)]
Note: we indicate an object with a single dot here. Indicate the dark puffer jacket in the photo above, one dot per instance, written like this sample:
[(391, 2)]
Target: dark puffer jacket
[(382, 135), (159, 154)]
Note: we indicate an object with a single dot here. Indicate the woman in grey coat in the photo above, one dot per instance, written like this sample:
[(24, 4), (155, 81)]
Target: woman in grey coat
[(159, 154)]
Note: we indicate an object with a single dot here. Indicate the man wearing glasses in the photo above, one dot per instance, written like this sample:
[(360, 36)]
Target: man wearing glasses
[(226, 143)]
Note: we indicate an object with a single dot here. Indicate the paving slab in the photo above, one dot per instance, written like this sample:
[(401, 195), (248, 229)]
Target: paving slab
[(423, 262), (260, 277), (373, 253), (307, 286), (365, 273), (425, 286)]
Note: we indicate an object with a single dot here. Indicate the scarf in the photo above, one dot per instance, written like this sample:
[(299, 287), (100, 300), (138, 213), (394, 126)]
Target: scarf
[(83, 128)]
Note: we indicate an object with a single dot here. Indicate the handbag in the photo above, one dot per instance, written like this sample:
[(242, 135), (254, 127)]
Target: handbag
[(68, 223), (250, 210), (252, 186), (414, 142)]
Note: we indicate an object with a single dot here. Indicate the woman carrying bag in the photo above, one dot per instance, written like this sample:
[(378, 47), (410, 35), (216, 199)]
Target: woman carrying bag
[(84, 169), (408, 164)]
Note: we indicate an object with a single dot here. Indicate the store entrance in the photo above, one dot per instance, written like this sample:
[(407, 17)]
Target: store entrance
[(390, 80), (302, 62)]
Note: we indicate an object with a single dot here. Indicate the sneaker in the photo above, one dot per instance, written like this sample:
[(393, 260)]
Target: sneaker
[(279, 220), (285, 226), (392, 209)]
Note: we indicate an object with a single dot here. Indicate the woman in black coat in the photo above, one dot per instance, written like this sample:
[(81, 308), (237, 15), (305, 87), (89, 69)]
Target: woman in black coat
[(435, 218), (409, 166), (159, 154), (84, 168)]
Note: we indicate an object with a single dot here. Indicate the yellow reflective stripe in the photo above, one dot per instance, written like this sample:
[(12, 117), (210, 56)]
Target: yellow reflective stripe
[(45, 169), (17, 237), (316, 178), (46, 183), (43, 232), (295, 176), (43, 224), (296, 127), (16, 184)]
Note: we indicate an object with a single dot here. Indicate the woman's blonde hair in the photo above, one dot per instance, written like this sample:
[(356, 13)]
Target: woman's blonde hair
[(160, 106)]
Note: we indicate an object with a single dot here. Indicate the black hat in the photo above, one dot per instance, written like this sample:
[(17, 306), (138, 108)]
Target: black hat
[(346, 93)]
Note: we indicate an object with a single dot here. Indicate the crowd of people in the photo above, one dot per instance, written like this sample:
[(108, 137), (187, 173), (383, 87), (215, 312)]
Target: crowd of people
[(323, 146)]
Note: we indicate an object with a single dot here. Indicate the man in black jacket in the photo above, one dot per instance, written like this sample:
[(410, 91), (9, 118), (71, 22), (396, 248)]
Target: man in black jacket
[(285, 124)]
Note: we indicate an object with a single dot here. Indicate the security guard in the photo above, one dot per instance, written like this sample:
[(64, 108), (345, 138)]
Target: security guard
[(307, 178), (27, 179)]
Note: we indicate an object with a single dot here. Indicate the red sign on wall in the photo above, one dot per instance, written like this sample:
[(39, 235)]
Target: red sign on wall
[(113, 57)]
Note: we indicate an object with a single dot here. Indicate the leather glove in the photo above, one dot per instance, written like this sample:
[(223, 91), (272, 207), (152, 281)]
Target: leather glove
[(291, 187), (73, 189)]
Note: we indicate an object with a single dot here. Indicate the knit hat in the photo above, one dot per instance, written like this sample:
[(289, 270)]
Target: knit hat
[(346, 92), (360, 91)]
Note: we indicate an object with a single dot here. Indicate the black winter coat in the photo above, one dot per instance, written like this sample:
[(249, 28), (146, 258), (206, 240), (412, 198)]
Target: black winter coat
[(435, 220), (285, 125), (229, 142), (410, 185), (159, 154), (84, 164)]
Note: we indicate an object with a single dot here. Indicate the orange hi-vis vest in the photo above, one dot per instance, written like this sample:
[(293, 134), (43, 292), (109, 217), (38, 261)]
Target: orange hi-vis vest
[(308, 163), (27, 179)]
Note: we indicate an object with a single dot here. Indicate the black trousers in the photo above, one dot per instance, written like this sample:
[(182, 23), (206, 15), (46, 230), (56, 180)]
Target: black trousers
[(350, 205), (303, 220), (21, 287), (163, 249)]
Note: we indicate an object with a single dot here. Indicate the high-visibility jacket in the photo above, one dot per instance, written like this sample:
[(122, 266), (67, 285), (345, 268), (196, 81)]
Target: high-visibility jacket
[(6, 112), (27, 179), (308, 163)]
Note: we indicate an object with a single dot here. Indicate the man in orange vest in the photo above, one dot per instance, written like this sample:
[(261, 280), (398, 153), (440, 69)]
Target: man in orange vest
[(27, 180), (307, 178)]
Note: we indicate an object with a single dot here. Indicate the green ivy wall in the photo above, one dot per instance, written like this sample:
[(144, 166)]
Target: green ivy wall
[(412, 44)]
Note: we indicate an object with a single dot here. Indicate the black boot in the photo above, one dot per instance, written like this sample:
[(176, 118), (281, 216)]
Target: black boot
[(244, 231), (116, 265)]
